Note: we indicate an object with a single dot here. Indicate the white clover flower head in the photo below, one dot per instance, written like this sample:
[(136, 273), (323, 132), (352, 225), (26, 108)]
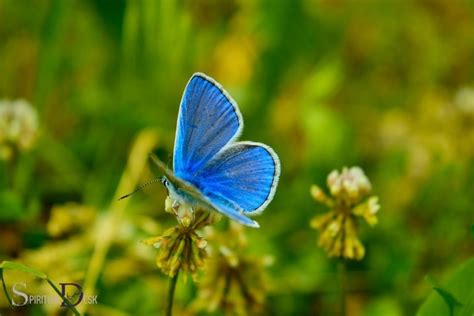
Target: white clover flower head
[(350, 185), (182, 247), (18, 124), (348, 202)]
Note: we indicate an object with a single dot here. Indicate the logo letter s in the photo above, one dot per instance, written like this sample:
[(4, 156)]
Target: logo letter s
[(20, 293)]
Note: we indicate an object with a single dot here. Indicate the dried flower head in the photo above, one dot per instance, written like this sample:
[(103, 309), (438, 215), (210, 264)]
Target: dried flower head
[(233, 282), (18, 126), (348, 200), (181, 247)]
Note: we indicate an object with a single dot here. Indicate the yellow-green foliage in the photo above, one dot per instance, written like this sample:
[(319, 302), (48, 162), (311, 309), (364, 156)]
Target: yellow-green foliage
[(385, 85)]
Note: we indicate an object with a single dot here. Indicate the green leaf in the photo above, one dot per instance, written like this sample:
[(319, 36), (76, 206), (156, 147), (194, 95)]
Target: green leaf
[(8, 265), (472, 230), (447, 300)]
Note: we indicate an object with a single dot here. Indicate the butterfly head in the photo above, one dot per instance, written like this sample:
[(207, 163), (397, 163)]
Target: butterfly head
[(172, 188), (167, 184)]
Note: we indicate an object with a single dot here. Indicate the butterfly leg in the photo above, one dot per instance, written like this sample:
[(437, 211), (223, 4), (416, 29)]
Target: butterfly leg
[(184, 213), (175, 206)]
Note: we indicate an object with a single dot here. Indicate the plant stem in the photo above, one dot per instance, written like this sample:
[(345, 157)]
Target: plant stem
[(343, 284), (67, 302), (5, 288), (169, 302)]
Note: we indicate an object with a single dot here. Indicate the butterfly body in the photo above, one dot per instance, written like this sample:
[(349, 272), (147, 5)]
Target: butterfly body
[(185, 195), (210, 168)]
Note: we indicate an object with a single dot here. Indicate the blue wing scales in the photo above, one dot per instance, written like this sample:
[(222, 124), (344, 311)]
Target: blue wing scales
[(208, 119), (245, 173)]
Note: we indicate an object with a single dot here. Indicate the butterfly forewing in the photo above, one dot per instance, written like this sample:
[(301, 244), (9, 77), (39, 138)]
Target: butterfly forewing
[(208, 119)]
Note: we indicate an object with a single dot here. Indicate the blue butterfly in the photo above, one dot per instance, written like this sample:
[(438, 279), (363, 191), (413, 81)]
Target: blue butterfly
[(210, 168)]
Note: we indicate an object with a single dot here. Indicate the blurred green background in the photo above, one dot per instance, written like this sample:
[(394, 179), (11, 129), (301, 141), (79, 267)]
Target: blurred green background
[(385, 85)]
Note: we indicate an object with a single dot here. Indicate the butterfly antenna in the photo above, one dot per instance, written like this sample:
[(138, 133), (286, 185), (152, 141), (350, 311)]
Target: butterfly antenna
[(169, 160), (141, 187)]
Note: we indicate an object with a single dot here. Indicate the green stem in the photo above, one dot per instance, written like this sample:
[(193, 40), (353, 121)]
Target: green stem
[(171, 289), (5, 288), (343, 285), (68, 302)]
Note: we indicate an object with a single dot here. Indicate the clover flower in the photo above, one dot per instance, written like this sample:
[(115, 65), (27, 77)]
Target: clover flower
[(233, 282), (181, 247), (18, 127), (348, 201)]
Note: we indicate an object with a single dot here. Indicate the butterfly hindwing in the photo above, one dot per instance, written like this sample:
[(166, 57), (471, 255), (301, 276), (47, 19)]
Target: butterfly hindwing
[(228, 208), (244, 173), (208, 119)]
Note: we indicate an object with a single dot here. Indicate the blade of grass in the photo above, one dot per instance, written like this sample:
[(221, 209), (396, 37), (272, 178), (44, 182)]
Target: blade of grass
[(65, 299), (137, 161)]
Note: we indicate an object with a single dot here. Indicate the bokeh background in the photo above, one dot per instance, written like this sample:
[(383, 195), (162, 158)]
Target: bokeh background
[(384, 85)]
